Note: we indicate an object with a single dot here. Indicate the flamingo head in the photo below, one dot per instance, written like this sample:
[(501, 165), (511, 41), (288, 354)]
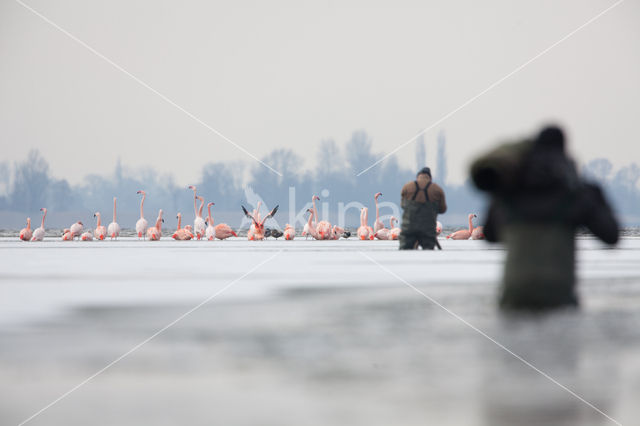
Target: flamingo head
[(43, 209), (80, 223), (141, 192), (96, 214), (377, 195), (315, 198), (210, 204)]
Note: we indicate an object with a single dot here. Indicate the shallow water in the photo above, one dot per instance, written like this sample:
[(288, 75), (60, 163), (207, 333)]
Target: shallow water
[(318, 334)]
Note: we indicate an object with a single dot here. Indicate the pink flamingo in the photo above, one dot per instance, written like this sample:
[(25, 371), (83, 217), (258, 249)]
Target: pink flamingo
[(377, 225), (198, 222), (181, 233), (463, 234), (142, 224), (221, 231), (38, 234), (336, 232), (394, 231), (311, 230), (258, 233), (438, 228), (101, 231), (154, 233), (383, 234), (86, 236), (477, 233), (114, 229), (73, 231), (364, 231), (306, 230), (26, 233), (289, 232)]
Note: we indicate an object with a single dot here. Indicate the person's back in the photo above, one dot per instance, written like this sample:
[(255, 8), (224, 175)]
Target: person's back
[(538, 200), (422, 201)]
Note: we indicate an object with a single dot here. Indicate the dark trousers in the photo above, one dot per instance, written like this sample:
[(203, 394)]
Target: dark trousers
[(411, 241)]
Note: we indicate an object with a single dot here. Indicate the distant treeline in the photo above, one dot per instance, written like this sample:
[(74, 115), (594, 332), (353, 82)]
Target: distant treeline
[(28, 185)]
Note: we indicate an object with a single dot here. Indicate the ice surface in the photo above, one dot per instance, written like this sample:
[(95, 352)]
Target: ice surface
[(319, 334)]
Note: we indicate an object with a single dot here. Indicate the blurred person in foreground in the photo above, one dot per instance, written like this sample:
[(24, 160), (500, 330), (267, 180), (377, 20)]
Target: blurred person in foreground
[(538, 200), (422, 201)]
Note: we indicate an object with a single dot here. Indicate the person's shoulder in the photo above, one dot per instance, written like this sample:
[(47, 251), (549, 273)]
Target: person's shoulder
[(436, 187)]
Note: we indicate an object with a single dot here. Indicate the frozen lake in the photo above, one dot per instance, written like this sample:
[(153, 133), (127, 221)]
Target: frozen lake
[(307, 333)]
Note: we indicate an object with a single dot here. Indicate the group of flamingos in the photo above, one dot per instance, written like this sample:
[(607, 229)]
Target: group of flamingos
[(205, 229)]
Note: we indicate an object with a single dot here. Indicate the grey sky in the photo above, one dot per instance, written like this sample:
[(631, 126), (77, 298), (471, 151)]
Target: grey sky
[(289, 74)]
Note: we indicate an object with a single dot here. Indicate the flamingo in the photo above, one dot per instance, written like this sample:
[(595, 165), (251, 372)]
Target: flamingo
[(154, 233), (364, 231), (306, 230), (477, 233), (289, 232), (181, 233), (394, 231), (383, 234), (337, 232), (311, 229), (113, 230), (210, 232), (142, 224), (101, 231), (26, 233), (438, 228), (463, 234), (198, 222), (86, 236), (38, 234), (256, 215), (377, 225), (73, 231), (221, 231), (258, 233)]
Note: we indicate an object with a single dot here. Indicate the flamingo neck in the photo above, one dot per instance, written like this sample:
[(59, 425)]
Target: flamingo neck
[(209, 217), (43, 216), (98, 216), (114, 209), (142, 206), (470, 223), (315, 210), (28, 223), (179, 221)]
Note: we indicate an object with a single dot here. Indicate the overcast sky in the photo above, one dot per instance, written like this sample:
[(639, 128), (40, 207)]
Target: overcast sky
[(289, 74)]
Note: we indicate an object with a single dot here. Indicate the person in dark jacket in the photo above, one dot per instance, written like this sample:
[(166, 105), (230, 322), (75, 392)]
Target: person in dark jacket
[(538, 200), (422, 201)]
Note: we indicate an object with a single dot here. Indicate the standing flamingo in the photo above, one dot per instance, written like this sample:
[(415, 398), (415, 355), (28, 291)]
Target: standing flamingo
[(364, 231), (142, 224), (394, 231), (311, 229), (114, 229), (198, 222), (26, 233), (463, 234), (101, 231), (181, 233), (258, 233), (38, 234), (154, 233), (377, 225), (221, 231), (289, 232)]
